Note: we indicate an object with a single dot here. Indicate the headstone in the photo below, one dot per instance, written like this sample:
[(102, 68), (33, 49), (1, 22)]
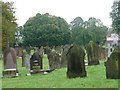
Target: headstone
[(20, 52), (54, 59), (36, 62), (76, 64), (10, 63), (102, 53), (59, 49), (92, 53), (23, 59), (41, 51), (26, 59), (63, 55), (113, 66)]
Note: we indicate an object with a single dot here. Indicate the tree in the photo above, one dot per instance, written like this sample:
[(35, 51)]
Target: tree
[(85, 31), (18, 36), (8, 24), (115, 15), (42, 30)]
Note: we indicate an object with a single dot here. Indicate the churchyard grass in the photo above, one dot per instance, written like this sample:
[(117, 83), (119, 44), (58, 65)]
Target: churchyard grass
[(96, 78)]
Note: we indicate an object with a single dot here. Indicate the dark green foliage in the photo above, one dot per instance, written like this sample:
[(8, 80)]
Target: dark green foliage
[(92, 53), (43, 30), (115, 15), (85, 31), (8, 24), (76, 64), (113, 66)]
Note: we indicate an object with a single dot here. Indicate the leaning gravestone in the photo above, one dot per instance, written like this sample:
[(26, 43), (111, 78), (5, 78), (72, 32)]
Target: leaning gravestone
[(113, 66), (92, 53), (76, 64), (10, 63)]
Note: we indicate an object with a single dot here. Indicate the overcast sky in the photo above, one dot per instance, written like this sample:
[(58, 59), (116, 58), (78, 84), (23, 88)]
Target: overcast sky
[(67, 9)]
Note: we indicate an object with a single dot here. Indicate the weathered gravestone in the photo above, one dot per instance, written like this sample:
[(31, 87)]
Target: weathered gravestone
[(10, 63), (20, 52), (76, 64), (41, 51), (113, 66), (92, 50), (54, 59), (59, 49), (36, 62), (23, 59), (26, 57), (63, 55), (102, 53)]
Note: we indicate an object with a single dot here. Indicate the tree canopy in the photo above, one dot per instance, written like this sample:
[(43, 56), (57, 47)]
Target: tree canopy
[(45, 29), (115, 15), (8, 24), (85, 31)]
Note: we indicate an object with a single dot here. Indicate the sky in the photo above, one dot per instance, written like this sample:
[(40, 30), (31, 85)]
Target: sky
[(67, 9)]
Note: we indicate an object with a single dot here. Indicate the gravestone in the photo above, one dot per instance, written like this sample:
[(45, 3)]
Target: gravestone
[(10, 63), (92, 50), (113, 66), (26, 59), (41, 53), (36, 62), (20, 52), (59, 49), (27, 63), (23, 59), (54, 59), (76, 64), (102, 53), (63, 55)]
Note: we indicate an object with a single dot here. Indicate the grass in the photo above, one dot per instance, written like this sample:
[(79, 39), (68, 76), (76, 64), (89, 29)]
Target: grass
[(96, 78)]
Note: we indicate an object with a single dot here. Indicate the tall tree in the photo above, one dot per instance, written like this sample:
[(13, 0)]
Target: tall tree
[(8, 24), (115, 15), (46, 30), (85, 31)]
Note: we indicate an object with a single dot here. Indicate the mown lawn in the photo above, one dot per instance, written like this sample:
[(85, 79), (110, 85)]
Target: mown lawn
[(96, 78)]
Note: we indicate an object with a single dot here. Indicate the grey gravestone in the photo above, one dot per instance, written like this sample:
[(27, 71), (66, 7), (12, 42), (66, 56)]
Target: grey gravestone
[(41, 51), (59, 49), (27, 63), (63, 55), (76, 64), (92, 50), (54, 59), (10, 62), (113, 66)]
